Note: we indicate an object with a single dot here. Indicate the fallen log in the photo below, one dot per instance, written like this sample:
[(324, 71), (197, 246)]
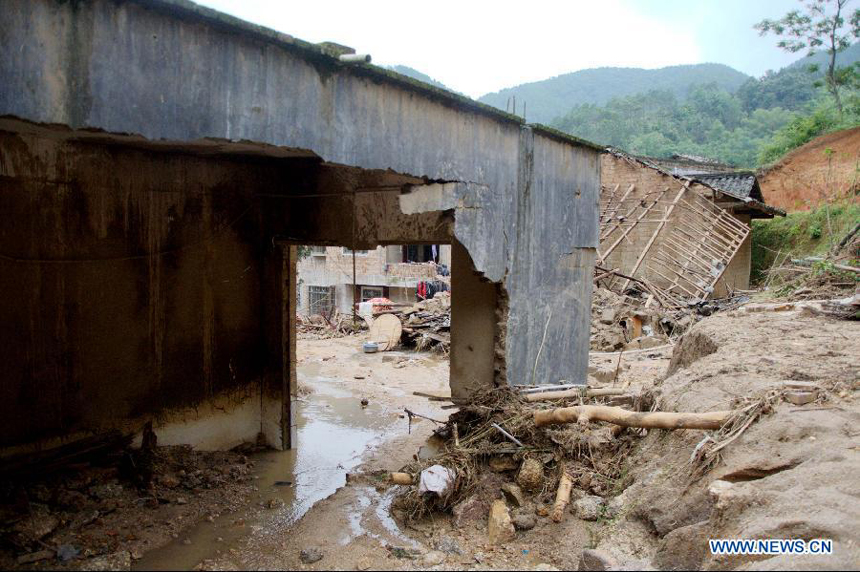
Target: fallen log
[(573, 393), (562, 497), (584, 414)]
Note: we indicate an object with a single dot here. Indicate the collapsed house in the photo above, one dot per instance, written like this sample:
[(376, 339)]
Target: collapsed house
[(159, 164), (681, 224)]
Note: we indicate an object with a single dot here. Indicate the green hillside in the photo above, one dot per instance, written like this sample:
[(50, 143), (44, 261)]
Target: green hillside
[(752, 125), (415, 74), (550, 98)]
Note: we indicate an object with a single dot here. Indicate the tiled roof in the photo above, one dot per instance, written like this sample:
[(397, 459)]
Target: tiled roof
[(742, 185)]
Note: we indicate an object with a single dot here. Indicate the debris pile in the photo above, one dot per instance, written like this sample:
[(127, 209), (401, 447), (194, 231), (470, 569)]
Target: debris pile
[(497, 448), (319, 327), (110, 508), (427, 324)]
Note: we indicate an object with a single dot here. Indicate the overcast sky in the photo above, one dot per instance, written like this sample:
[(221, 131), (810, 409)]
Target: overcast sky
[(477, 47)]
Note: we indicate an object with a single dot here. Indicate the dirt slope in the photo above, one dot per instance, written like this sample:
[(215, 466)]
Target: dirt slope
[(805, 177), (792, 474)]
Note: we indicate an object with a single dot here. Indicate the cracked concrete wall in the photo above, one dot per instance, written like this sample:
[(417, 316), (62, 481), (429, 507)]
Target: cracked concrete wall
[(165, 72)]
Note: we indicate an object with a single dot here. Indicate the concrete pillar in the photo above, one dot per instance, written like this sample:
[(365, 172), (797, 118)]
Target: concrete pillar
[(279, 386), (473, 323)]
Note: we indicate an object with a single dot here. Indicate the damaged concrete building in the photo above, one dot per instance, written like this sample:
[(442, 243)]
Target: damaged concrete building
[(330, 278), (159, 163), (682, 224)]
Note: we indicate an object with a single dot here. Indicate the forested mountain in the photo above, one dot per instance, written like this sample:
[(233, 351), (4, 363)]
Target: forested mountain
[(751, 125), (415, 74), (551, 98)]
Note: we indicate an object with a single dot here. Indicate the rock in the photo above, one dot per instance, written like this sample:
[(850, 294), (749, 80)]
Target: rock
[(545, 567), (801, 397), (186, 541), (588, 507), (170, 481), (596, 560), (473, 509), (115, 561), (614, 506), (35, 557), (181, 500), (500, 529), (275, 503), (105, 492), (365, 402), (514, 494), (66, 552), (644, 343), (310, 555), (448, 545), (433, 558), (542, 511), (72, 500), (684, 548), (530, 477), (364, 563), (524, 521), (39, 524), (502, 463)]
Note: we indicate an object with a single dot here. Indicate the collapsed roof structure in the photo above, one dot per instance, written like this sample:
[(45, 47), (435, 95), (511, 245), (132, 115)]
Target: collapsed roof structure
[(680, 223)]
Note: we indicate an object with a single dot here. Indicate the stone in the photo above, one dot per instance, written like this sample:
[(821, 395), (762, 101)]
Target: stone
[(72, 500), (181, 500), (502, 463), (645, 342), (275, 503), (801, 397), (684, 548), (170, 481), (433, 558), (310, 555), (588, 507), (514, 494), (115, 561), (448, 545), (364, 563), (39, 524), (35, 557), (596, 560), (471, 510), (500, 529), (531, 476), (105, 492), (524, 521)]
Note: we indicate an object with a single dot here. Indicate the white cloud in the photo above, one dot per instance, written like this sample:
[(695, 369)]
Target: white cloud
[(478, 47)]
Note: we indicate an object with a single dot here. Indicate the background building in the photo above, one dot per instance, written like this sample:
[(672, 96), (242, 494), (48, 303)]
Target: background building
[(325, 280)]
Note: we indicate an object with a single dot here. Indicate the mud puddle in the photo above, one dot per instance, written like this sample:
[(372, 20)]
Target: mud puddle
[(334, 432)]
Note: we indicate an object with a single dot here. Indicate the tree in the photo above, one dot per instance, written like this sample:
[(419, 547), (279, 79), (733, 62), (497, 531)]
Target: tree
[(822, 24)]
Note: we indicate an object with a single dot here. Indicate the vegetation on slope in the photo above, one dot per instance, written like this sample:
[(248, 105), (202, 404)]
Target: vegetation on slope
[(800, 234), (550, 98)]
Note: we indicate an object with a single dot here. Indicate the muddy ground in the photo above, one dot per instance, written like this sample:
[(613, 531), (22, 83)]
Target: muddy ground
[(792, 473)]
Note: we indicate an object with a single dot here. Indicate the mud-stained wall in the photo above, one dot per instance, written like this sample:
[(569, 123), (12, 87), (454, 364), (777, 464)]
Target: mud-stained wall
[(528, 215), (130, 280)]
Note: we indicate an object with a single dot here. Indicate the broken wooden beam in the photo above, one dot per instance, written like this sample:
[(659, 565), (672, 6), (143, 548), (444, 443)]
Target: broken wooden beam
[(584, 414), (574, 393)]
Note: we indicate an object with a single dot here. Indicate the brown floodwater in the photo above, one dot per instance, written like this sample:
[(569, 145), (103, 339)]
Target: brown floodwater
[(334, 432)]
